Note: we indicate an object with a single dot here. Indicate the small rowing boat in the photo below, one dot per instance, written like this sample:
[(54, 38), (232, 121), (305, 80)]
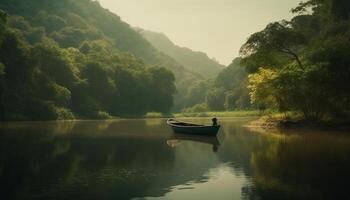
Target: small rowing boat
[(194, 129)]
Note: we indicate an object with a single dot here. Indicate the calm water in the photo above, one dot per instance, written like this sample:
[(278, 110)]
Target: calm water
[(143, 159)]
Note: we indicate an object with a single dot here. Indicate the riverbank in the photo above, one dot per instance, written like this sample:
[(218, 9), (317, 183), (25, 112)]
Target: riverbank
[(264, 120), (297, 122), (157, 115), (246, 113)]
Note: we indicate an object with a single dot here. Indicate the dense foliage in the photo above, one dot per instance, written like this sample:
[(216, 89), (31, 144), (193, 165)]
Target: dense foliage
[(72, 58), (231, 88), (303, 64), (66, 59), (227, 92)]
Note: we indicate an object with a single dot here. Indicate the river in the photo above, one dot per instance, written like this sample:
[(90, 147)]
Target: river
[(142, 159)]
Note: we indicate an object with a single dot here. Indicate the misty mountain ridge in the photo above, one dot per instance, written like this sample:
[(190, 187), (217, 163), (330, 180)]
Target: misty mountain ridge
[(195, 61)]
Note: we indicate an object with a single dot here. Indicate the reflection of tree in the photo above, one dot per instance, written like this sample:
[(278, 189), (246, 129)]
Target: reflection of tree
[(238, 147), (311, 166), (91, 160)]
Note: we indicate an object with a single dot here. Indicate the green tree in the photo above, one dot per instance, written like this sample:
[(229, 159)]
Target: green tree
[(54, 62), (100, 85), (315, 81), (49, 21), (216, 99), (277, 37), (262, 90), (3, 21)]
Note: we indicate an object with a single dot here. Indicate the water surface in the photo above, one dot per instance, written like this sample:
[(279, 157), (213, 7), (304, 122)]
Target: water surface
[(143, 159)]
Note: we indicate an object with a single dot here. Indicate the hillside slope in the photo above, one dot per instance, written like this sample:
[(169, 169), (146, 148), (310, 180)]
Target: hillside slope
[(62, 59), (195, 61), (88, 14), (70, 23)]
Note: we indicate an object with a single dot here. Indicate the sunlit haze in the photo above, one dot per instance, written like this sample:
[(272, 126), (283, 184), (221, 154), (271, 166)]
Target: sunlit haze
[(216, 27)]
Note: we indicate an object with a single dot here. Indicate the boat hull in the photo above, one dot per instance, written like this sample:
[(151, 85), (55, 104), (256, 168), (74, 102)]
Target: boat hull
[(207, 131), (195, 130)]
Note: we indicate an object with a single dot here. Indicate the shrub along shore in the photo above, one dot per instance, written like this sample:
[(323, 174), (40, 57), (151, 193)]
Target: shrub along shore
[(297, 121)]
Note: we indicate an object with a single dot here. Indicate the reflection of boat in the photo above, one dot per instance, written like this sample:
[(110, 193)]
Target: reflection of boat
[(179, 138), (194, 129)]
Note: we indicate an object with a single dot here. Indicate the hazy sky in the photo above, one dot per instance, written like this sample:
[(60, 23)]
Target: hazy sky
[(216, 27)]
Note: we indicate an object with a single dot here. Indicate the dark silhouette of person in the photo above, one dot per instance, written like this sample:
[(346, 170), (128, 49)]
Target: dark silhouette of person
[(215, 148), (215, 121)]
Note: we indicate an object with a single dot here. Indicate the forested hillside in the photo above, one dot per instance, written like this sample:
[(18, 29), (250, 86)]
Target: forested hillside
[(71, 58), (227, 92), (197, 62), (303, 65), (230, 89)]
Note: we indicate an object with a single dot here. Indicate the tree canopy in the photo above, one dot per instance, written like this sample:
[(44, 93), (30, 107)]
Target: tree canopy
[(303, 64), (59, 61)]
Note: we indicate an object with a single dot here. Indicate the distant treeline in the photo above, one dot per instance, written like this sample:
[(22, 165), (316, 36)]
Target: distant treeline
[(66, 59), (218, 88), (227, 92)]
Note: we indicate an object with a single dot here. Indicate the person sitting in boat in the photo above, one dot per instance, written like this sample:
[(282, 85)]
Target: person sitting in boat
[(215, 121), (215, 148)]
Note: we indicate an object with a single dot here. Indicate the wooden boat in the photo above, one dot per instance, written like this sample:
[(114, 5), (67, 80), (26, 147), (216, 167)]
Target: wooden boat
[(193, 129)]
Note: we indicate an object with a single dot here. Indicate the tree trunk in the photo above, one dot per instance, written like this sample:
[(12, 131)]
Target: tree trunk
[(298, 60), (294, 55)]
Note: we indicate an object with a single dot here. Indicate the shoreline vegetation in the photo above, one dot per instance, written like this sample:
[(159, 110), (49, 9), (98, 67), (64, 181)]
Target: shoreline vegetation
[(220, 114), (223, 114), (264, 119), (296, 121), (157, 115)]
